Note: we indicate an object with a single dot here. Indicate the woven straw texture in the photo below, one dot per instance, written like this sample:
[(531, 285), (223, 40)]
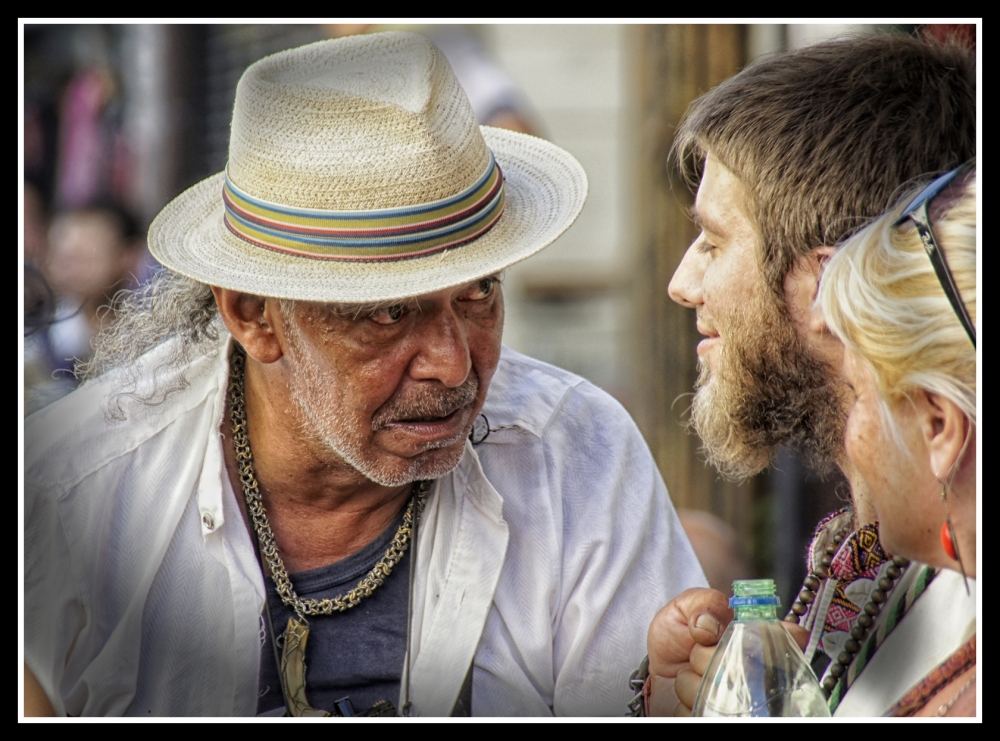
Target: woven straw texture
[(363, 123)]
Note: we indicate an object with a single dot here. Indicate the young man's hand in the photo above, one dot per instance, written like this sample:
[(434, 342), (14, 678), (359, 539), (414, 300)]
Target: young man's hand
[(681, 641)]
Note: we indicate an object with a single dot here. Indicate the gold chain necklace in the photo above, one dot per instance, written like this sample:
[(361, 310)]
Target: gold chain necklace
[(297, 632)]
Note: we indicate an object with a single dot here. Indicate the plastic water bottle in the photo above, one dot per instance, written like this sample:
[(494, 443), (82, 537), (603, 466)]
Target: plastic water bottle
[(757, 669)]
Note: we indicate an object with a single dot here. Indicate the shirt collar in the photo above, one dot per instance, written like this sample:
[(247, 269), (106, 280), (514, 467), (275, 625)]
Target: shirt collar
[(211, 483)]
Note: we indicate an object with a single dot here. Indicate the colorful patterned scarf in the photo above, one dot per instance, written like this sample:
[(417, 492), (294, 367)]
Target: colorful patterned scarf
[(860, 557)]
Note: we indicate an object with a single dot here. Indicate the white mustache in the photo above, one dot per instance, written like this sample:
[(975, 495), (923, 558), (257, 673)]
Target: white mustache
[(427, 402)]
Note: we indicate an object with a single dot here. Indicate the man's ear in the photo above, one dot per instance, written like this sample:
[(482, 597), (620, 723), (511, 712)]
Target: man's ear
[(249, 319), (802, 288), (944, 427)]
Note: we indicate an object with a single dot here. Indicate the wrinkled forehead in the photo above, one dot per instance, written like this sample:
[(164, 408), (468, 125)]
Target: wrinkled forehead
[(354, 310), (349, 309)]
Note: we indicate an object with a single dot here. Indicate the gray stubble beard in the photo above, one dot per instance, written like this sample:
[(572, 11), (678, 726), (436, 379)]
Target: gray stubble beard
[(321, 417)]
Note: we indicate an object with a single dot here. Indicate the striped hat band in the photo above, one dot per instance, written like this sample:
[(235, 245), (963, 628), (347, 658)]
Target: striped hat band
[(382, 234)]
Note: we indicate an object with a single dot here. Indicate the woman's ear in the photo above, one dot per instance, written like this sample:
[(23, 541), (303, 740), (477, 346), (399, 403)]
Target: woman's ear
[(945, 429), (248, 318)]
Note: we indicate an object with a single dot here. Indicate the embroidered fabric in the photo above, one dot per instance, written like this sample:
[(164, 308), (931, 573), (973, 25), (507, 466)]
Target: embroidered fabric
[(856, 568), (854, 573)]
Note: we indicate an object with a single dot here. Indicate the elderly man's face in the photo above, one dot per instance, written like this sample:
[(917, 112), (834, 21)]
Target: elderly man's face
[(760, 385), (394, 392)]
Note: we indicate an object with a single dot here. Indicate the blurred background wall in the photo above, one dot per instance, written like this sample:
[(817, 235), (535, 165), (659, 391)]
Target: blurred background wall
[(120, 118)]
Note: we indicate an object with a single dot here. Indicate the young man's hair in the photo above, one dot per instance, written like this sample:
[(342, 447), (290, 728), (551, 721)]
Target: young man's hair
[(824, 136)]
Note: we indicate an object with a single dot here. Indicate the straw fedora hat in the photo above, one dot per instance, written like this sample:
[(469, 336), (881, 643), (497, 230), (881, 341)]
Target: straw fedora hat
[(357, 173)]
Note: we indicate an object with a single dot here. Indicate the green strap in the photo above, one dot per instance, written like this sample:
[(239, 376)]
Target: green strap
[(899, 608)]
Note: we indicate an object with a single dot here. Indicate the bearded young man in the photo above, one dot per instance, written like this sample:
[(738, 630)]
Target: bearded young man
[(329, 489), (794, 154)]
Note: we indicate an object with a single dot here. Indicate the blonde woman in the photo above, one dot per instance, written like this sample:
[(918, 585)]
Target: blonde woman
[(901, 295)]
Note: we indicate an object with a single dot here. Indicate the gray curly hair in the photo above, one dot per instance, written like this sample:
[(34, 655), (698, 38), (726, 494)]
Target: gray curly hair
[(169, 306)]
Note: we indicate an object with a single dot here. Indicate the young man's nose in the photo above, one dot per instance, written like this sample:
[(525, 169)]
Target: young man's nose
[(686, 286), (443, 354)]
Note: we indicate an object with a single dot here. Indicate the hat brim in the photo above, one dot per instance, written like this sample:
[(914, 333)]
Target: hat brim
[(545, 190)]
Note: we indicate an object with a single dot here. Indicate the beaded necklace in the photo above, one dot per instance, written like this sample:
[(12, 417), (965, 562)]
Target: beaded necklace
[(839, 676)]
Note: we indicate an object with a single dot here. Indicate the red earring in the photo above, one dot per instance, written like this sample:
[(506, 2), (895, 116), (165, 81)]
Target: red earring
[(946, 541)]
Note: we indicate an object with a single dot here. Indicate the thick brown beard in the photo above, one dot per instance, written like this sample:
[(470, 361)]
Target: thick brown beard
[(770, 390)]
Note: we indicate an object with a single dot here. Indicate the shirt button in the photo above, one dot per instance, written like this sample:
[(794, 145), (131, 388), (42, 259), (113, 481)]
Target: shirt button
[(207, 521)]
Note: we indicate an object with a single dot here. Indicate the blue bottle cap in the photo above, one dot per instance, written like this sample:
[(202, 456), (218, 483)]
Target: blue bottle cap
[(750, 601)]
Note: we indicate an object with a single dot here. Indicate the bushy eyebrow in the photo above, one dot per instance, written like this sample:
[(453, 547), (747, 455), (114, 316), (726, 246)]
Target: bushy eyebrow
[(703, 224), (695, 217), (358, 310)]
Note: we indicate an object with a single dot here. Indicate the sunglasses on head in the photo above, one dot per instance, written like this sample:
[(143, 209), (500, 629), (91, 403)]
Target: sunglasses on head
[(918, 211)]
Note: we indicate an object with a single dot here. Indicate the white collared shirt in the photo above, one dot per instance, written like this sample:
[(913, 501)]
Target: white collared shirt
[(542, 558)]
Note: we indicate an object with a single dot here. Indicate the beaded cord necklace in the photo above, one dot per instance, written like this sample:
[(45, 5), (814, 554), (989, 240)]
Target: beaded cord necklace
[(863, 541)]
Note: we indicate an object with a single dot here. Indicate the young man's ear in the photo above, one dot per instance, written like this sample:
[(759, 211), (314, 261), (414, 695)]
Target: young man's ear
[(802, 288), (248, 318)]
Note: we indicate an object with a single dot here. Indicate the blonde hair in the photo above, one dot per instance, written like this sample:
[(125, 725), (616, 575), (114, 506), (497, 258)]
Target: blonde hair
[(882, 298)]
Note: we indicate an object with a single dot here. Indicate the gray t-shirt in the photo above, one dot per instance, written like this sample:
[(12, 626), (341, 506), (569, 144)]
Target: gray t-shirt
[(358, 653)]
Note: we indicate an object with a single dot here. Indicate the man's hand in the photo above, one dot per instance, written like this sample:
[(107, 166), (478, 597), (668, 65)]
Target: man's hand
[(681, 641)]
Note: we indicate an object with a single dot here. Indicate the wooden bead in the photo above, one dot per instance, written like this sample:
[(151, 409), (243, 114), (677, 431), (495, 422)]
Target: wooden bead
[(852, 646), (792, 618), (878, 596), (798, 608), (858, 633), (826, 561), (872, 609), (831, 550), (837, 670), (806, 596), (865, 620), (900, 561), (822, 572), (893, 572), (811, 582), (885, 583), (829, 683), (845, 659)]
